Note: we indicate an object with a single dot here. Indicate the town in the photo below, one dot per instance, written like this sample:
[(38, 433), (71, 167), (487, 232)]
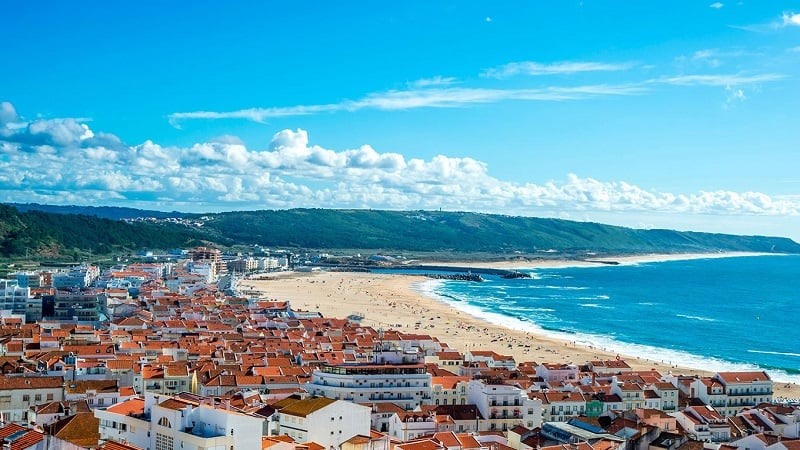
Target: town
[(173, 355)]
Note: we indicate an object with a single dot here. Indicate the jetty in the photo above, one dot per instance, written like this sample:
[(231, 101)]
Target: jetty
[(455, 276)]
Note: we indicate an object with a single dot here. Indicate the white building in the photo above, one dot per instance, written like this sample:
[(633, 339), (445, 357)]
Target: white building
[(407, 425), (557, 373), (560, 406), (743, 390), (14, 297), (704, 423), (449, 390), (504, 406), (407, 385), (491, 359), (184, 421), (324, 421), (80, 277), (18, 394), (207, 270)]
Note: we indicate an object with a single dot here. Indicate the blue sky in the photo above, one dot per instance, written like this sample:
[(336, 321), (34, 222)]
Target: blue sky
[(645, 114)]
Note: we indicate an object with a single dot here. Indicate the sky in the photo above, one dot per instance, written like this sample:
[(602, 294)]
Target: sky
[(679, 114)]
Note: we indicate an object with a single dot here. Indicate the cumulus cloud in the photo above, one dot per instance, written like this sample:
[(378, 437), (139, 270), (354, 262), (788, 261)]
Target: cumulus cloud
[(716, 5), (786, 19), (7, 113), (70, 163), (790, 19)]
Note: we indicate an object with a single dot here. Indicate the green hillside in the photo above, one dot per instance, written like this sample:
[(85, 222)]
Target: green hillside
[(426, 231), (49, 234)]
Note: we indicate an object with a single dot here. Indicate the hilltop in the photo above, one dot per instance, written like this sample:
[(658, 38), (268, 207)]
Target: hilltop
[(45, 233)]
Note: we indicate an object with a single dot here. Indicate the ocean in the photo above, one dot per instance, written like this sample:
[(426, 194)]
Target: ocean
[(737, 313)]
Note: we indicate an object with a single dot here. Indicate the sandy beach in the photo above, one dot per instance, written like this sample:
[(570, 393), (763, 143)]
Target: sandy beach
[(391, 301)]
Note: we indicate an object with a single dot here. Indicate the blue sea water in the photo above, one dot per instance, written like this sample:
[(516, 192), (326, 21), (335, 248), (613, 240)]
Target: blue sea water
[(715, 314)]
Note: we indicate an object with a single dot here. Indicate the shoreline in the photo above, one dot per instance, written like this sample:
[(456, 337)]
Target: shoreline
[(676, 359), (598, 261), (406, 302)]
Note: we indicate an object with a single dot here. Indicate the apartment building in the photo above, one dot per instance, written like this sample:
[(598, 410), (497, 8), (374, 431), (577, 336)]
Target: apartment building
[(504, 406), (184, 421), (407, 385), (324, 421)]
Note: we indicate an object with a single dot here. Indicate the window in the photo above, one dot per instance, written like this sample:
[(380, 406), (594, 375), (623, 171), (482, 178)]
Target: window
[(164, 442), (26, 398), (49, 397), (38, 397)]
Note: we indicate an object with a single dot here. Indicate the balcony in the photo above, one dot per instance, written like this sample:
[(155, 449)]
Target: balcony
[(750, 394), (734, 404)]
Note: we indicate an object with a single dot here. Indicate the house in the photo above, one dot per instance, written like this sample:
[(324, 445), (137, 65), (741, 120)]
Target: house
[(47, 413), (184, 421), (504, 406), (777, 419), (668, 394), (15, 437), (449, 390), (97, 393), (560, 406), (446, 359), (18, 394), (465, 418), (322, 420), (704, 423), (556, 373), (610, 367), (80, 430), (408, 425), (491, 359), (744, 389)]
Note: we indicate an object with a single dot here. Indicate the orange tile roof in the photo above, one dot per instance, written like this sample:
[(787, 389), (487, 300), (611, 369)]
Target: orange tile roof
[(128, 407)]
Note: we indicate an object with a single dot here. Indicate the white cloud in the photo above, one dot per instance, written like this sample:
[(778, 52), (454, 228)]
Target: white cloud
[(294, 172), (7, 113), (716, 5), (556, 68), (723, 80), (434, 81), (708, 57), (733, 96), (786, 19), (439, 92), (790, 19), (433, 97)]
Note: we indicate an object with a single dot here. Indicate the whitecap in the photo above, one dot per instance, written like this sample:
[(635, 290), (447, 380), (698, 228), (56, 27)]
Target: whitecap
[(700, 318)]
